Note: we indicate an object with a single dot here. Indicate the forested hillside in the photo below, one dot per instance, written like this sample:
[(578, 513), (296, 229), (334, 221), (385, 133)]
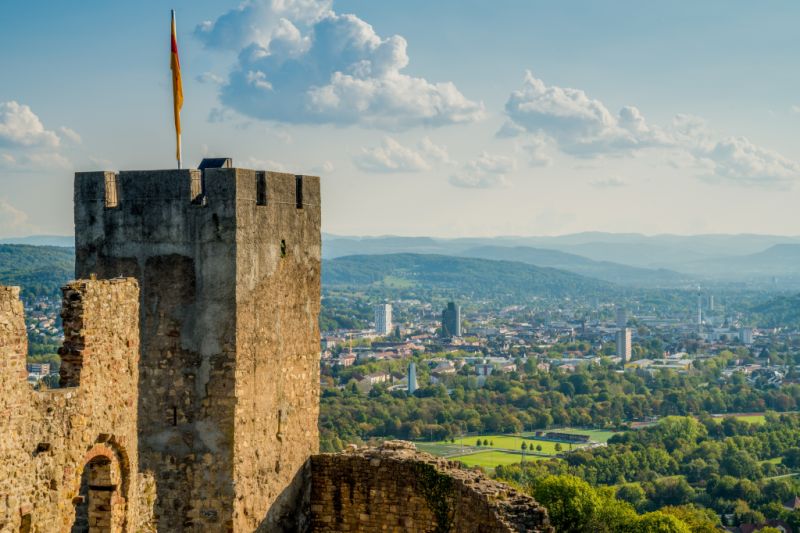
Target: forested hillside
[(39, 270)]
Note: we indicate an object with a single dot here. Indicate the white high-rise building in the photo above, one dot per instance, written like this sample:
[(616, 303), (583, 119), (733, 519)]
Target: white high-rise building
[(412, 377), (383, 319), (624, 350)]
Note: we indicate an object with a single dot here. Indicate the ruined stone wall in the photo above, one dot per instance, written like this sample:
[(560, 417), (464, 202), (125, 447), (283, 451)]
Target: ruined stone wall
[(277, 368), (47, 438), (396, 489), (229, 301)]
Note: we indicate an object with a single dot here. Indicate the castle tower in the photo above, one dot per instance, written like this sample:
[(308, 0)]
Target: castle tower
[(228, 262)]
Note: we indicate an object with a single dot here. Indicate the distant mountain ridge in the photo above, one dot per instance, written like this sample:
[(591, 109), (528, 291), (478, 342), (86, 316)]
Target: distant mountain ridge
[(667, 260), (603, 270), (479, 278), (67, 241)]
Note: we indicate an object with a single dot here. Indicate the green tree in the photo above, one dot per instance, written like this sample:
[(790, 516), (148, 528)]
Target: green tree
[(699, 519), (633, 493), (571, 502), (742, 514), (658, 522), (671, 491)]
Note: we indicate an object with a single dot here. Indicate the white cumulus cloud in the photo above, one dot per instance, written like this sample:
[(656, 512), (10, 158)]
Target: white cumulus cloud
[(584, 127), (538, 149), (25, 143), (19, 126), (391, 156), (486, 172), (300, 62), (737, 159)]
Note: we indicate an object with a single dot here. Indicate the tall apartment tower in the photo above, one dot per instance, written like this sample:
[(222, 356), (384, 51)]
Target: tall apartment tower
[(746, 336), (451, 320), (383, 319), (622, 317), (624, 350), (699, 311), (228, 262)]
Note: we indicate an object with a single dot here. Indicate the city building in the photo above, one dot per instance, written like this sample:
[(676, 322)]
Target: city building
[(383, 319), (624, 344), (622, 317), (746, 335), (451, 320), (412, 378)]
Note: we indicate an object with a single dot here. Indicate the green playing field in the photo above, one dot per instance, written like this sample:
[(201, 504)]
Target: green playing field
[(491, 459), (506, 449)]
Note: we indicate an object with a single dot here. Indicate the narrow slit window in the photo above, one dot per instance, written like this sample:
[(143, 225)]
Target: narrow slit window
[(112, 198), (174, 416), (298, 191), (261, 188), (283, 248)]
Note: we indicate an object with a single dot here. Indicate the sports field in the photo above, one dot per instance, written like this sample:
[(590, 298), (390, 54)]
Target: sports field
[(496, 449), (492, 459)]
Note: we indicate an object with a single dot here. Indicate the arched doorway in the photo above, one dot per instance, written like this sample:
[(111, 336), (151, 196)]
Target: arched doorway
[(94, 506)]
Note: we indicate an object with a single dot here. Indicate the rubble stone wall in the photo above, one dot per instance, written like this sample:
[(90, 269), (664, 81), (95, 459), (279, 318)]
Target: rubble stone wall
[(47, 438), (397, 489)]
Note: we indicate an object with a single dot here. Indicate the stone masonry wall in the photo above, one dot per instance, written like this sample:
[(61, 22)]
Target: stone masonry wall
[(397, 489), (229, 389), (51, 441), (277, 339)]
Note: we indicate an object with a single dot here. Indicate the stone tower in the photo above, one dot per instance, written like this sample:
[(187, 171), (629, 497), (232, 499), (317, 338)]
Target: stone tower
[(228, 262)]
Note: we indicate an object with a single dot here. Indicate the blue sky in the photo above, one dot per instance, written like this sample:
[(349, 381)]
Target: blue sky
[(447, 118)]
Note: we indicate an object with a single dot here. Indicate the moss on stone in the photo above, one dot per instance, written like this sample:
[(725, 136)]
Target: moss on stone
[(437, 489)]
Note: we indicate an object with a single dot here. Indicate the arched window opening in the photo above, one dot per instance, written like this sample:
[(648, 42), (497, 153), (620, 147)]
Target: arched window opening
[(95, 503)]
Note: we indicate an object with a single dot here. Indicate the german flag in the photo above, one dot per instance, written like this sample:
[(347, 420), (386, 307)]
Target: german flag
[(177, 88)]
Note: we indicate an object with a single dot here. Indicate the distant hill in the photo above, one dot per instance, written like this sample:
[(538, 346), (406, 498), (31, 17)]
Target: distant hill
[(477, 278), (67, 241), (503, 248), (707, 257), (779, 311), (603, 270), (781, 260), (39, 270)]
